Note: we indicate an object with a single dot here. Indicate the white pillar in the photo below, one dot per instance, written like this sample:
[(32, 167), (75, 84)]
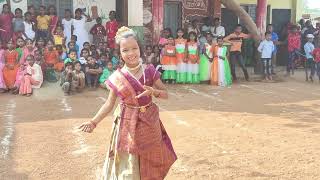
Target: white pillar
[(135, 12)]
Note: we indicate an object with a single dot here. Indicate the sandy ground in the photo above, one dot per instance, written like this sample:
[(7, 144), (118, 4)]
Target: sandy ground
[(252, 130)]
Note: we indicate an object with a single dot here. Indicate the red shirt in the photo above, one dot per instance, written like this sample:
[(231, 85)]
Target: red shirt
[(294, 41), (98, 29), (316, 54), (112, 28)]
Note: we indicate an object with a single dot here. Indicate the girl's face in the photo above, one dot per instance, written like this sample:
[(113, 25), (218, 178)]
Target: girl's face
[(93, 48), (91, 60), (67, 14), (192, 37), (130, 51), (42, 11), (85, 53), (41, 43), (50, 45), (20, 43), (86, 46), (37, 54), (180, 34), (78, 14), (28, 17), (18, 14), (32, 10), (109, 66), (52, 11), (29, 44), (112, 15), (156, 50), (171, 41), (72, 46), (149, 51), (100, 46), (10, 45), (6, 9), (30, 60), (59, 29), (73, 55), (77, 67), (220, 42), (209, 38)]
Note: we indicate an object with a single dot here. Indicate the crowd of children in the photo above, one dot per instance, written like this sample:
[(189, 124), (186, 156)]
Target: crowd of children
[(38, 45)]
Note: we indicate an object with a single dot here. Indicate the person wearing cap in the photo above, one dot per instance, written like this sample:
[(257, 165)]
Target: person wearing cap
[(310, 64)]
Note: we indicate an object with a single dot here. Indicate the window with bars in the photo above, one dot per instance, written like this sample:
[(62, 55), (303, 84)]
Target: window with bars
[(60, 5)]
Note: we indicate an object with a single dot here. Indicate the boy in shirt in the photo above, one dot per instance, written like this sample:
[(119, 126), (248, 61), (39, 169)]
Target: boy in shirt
[(235, 39), (93, 71), (266, 48), (294, 45), (43, 22)]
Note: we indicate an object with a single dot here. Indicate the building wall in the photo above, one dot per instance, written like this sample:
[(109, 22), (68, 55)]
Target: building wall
[(294, 5)]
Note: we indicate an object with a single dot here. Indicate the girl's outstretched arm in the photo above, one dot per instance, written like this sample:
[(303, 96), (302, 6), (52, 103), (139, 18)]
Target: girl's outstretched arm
[(102, 113)]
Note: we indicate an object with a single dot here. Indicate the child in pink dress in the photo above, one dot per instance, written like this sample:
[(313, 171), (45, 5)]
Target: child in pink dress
[(2, 84)]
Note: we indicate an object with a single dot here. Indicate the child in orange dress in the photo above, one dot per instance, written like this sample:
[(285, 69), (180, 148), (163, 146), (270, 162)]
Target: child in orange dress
[(11, 58), (169, 62), (181, 45), (193, 59), (51, 59)]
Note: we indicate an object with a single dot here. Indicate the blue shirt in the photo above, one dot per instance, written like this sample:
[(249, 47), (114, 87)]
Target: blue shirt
[(115, 62), (274, 37), (308, 49), (266, 48)]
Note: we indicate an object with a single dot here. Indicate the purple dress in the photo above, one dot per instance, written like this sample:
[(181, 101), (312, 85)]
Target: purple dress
[(2, 84)]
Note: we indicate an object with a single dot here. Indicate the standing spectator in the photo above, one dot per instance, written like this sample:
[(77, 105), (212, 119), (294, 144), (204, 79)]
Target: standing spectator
[(206, 58), (54, 19), (43, 24), (169, 62), (275, 39), (317, 36), (98, 32), (112, 28), (181, 46), (6, 23), (308, 49), (217, 30), (165, 34), (20, 44), (11, 61), (193, 59), (294, 45), (32, 11), (18, 25), (266, 48), (235, 39), (195, 27), (28, 27), (316, 56), (67, 22), (79, 29), (2, 83)]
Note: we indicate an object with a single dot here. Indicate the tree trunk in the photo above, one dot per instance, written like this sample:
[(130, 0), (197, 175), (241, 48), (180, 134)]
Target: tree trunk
[(234, 6)]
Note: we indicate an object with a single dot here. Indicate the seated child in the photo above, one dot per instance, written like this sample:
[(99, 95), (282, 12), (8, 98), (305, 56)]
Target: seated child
[(115, 59), (66, 78), (107, 71), (32, 77), (92, 72), (72, 57)]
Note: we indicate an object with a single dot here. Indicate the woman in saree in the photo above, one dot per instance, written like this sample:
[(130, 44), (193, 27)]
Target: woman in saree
[(140, 148)]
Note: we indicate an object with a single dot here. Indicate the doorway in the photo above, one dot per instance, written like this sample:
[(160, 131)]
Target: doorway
[(122, 11), (172, 15)]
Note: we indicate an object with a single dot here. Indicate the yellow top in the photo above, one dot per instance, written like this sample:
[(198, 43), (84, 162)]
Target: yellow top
[(58, 39), (43, 22)]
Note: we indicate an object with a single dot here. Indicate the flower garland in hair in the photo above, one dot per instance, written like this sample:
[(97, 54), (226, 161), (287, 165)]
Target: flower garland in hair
[(122, 32)]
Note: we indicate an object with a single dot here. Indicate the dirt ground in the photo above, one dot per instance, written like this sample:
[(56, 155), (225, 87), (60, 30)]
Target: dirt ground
[(252, 130)]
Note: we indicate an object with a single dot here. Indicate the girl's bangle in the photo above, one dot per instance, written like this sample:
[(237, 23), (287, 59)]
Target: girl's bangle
[(93, 123)]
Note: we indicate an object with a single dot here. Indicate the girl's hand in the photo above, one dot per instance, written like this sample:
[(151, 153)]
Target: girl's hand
[(148, 92), (87, 127)]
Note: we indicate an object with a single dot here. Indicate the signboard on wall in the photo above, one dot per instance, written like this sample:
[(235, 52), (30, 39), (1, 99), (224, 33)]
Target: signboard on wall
[(193, 8)]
